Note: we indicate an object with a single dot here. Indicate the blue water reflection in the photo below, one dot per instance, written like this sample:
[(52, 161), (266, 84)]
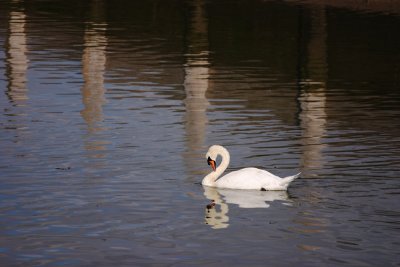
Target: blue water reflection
[(108, 110)]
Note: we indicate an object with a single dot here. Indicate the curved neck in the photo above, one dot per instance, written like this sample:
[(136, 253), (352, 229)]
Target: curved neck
[(211, 178)]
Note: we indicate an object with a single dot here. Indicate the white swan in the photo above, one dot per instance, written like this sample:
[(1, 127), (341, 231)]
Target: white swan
[(247, 178)]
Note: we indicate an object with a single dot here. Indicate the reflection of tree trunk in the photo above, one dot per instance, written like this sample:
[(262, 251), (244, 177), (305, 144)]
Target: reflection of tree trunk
[(17, 59), (312, 96), (93, 67), (196, 83)]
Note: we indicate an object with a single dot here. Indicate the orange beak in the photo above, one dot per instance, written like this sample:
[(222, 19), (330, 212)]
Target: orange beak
[(212, 163)]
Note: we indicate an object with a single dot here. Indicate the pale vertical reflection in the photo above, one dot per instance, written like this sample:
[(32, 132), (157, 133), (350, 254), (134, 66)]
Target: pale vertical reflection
[(313, 120), (93, 67), (313, 93), (17, 60), (196, 83)]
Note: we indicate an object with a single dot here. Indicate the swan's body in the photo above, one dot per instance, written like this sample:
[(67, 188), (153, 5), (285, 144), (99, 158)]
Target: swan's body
[(247, 178)]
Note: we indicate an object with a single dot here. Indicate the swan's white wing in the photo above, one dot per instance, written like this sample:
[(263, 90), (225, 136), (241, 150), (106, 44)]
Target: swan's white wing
[(249, 178)]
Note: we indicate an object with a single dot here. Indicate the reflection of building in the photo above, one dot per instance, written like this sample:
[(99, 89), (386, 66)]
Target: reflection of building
[(312, 97), (196, 84), (17, 60), (93, 67)]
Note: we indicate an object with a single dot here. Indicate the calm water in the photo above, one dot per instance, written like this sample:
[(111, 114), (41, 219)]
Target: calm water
[(108, 107)]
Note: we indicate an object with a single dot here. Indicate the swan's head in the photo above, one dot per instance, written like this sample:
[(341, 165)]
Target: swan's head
[(212, 163), (212, 154)]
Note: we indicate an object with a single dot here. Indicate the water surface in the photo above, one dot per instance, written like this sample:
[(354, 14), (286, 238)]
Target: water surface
[(108, 108)]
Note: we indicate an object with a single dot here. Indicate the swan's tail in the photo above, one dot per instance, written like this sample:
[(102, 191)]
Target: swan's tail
[(287, 180)]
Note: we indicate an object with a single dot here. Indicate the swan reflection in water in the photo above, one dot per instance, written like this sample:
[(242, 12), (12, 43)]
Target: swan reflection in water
[(217, 215)]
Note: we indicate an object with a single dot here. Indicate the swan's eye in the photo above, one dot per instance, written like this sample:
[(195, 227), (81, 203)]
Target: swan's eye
[(209, 160)]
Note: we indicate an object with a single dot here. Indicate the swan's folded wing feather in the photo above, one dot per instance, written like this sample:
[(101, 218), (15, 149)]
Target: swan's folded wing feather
[(248, 178)]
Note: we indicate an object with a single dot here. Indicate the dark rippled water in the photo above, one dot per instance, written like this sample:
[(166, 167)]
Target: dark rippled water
[(108, 107)]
